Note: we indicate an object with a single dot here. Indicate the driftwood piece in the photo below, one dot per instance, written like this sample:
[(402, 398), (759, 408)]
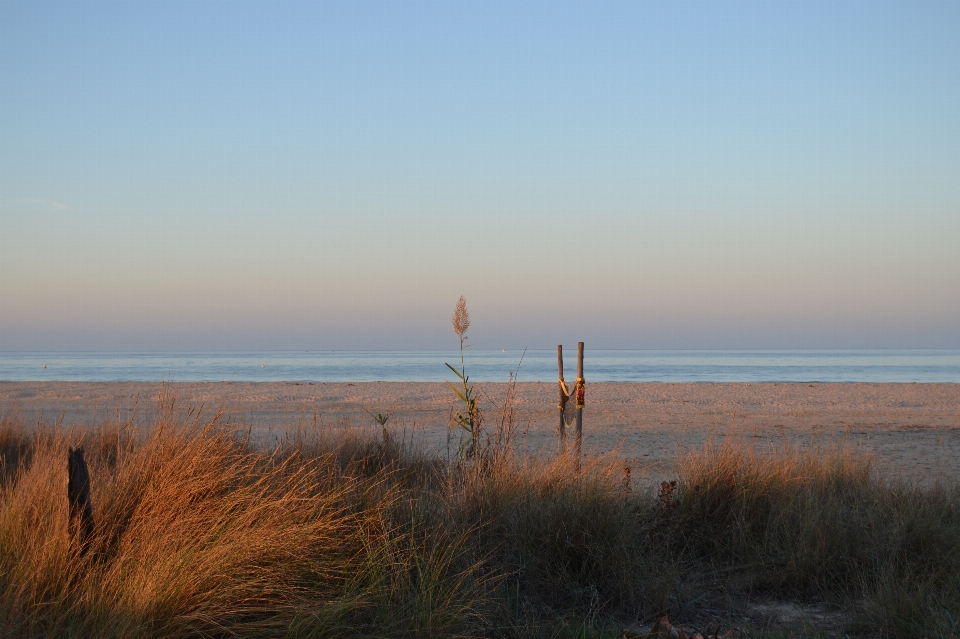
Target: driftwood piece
[(78, 496)]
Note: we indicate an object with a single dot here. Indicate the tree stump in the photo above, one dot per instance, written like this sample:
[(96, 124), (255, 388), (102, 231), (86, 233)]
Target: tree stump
[(78, 496)]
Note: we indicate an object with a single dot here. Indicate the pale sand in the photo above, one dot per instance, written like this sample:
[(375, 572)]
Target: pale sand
[(911, 428)]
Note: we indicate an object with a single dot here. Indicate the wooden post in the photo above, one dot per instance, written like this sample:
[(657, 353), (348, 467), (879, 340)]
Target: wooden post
[(578, 432), (78, 496), (562, 431)]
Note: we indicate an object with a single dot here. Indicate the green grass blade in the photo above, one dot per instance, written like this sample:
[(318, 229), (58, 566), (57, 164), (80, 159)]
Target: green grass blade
[(457, 391), (455, 371)]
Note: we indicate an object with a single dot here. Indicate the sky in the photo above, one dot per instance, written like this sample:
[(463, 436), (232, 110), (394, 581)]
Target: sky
[(206, 176)]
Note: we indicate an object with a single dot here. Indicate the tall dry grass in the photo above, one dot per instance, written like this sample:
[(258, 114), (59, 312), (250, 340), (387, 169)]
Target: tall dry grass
[(820, 525), (201, 531)]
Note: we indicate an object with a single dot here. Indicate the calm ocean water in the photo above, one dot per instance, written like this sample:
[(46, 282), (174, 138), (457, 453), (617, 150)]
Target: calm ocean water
[(607, 366)]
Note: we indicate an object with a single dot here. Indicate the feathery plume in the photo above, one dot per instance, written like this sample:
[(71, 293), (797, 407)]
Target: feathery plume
[(461, 319)]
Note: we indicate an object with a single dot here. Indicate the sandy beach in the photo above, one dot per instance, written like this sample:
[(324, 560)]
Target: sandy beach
[(910, 428)]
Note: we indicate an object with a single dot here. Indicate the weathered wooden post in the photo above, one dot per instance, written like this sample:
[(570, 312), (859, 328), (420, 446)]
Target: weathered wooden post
[(580, 392), (564, 396), (78, 495)]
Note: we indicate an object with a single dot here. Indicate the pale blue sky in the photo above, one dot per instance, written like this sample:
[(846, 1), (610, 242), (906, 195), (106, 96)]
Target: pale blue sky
[(270, 175)]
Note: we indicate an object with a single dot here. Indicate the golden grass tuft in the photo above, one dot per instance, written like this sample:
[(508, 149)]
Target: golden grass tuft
[(198, 532)]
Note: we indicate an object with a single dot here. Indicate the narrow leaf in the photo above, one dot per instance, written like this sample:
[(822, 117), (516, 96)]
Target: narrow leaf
[(459, 394)]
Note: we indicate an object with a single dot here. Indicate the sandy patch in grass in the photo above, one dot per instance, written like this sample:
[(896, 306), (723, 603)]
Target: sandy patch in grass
[(910, 428)]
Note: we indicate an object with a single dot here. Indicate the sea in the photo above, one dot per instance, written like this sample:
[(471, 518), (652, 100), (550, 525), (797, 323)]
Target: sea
[(903, 366)]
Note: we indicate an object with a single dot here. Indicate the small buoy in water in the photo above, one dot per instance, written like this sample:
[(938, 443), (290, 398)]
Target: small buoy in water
[(44, 365), (503, 350), (263, 365)]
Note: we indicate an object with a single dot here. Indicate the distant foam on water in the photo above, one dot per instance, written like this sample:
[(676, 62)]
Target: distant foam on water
[(428, 366)]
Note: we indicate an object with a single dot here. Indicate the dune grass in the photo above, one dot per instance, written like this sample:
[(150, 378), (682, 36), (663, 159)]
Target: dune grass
[(201, 531)]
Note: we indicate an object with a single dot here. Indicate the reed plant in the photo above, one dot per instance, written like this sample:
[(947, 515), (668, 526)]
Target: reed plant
[(202, 530), (469, 418)]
